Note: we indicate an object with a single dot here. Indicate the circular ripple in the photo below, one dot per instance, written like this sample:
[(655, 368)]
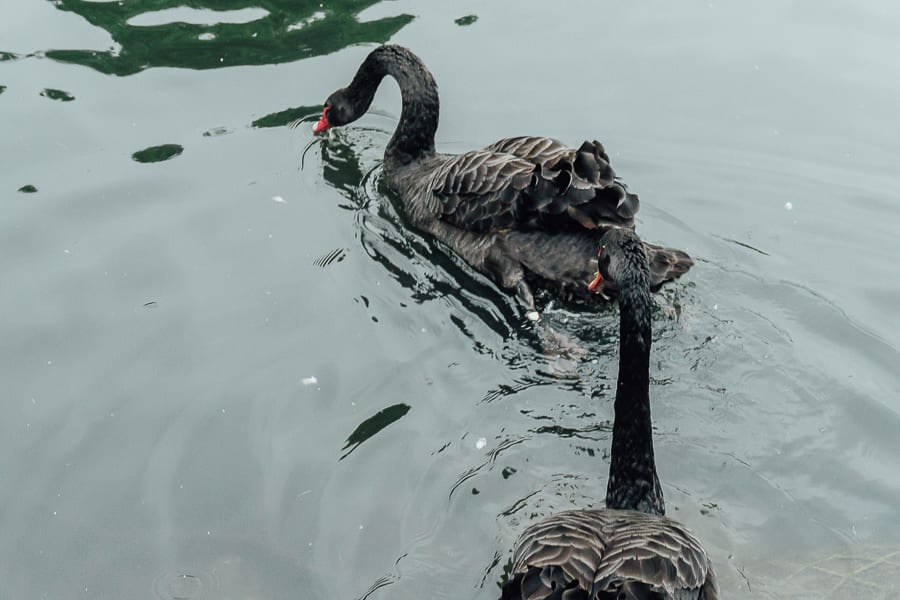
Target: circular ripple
[(182, 585)]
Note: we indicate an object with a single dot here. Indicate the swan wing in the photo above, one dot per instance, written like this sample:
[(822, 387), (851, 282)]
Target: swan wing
[(592, 552), (531, 184)]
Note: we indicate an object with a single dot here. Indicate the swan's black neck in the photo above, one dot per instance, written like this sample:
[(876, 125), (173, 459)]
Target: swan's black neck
[(633, 483), (414, 137)]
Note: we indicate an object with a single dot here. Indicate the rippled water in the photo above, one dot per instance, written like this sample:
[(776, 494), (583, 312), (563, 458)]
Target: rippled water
[(230, 371)]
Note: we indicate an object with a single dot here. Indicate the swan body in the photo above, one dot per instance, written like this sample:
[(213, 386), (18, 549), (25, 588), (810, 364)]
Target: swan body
[(524, 210), (630, 549)]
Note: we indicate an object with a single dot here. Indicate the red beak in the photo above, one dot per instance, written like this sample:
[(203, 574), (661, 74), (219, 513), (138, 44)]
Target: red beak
[(323, 123), (593, 285)]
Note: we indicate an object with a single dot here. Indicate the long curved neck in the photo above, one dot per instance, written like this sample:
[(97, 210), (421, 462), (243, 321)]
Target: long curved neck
[(414, 137), (633, 483)]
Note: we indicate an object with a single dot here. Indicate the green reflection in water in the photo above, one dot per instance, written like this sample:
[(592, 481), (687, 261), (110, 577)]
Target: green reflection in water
[(157, 153), (373, 425), (60, 95), (2, 88), (288, 116), (292, 29), (28, 189), (466, 20)]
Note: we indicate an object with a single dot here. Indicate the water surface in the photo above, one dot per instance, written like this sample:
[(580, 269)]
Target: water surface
[(230, 373)]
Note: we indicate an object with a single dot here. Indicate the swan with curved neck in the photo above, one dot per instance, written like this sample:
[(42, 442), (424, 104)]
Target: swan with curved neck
[(630, 549), (524, 211)]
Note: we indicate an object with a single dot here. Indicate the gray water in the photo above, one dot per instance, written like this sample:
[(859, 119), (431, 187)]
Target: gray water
[(230, 371)]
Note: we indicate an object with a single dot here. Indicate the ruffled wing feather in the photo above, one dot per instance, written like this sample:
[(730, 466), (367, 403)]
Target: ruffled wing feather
[(590, 553), (531, 183)]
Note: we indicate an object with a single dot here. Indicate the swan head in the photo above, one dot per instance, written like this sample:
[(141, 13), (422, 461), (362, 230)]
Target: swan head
[(338, 110), (621, 256)]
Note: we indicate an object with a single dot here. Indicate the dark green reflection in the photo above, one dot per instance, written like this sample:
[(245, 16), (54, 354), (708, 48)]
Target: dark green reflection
[(157, 153), (292, 30), (60, 95), (2, 88), (466, 20), (28, 189), (373, 425), (7, 56), (287, 116)]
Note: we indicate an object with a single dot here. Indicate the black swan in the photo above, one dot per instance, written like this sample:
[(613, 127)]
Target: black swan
[(630, 549), (524, 210)]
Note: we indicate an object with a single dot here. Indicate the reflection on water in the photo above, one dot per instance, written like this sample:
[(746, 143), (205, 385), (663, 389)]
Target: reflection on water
[(157, 153), (59, 95), (288, 116), (417, 263), (289, 30), (373, 425)]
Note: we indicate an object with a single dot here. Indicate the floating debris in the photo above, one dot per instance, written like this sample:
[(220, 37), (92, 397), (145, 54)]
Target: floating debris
[(311, 380), (466, 20), (28, 189), (481, 443)]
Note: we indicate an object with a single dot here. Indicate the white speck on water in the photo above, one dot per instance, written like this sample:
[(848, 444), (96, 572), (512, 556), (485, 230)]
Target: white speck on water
[(532, 315), (54, 513), (595, 361), (49, 362), (66, 251), (206, 36), (715, 307), (788, 206), (309, 380), (481, 443), (424, 330), (279, 199), (208, 532), (223, 411), (360, 527)]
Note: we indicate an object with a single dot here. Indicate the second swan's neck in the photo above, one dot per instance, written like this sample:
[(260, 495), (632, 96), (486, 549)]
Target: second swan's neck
[(414, 137), (633, 483)]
